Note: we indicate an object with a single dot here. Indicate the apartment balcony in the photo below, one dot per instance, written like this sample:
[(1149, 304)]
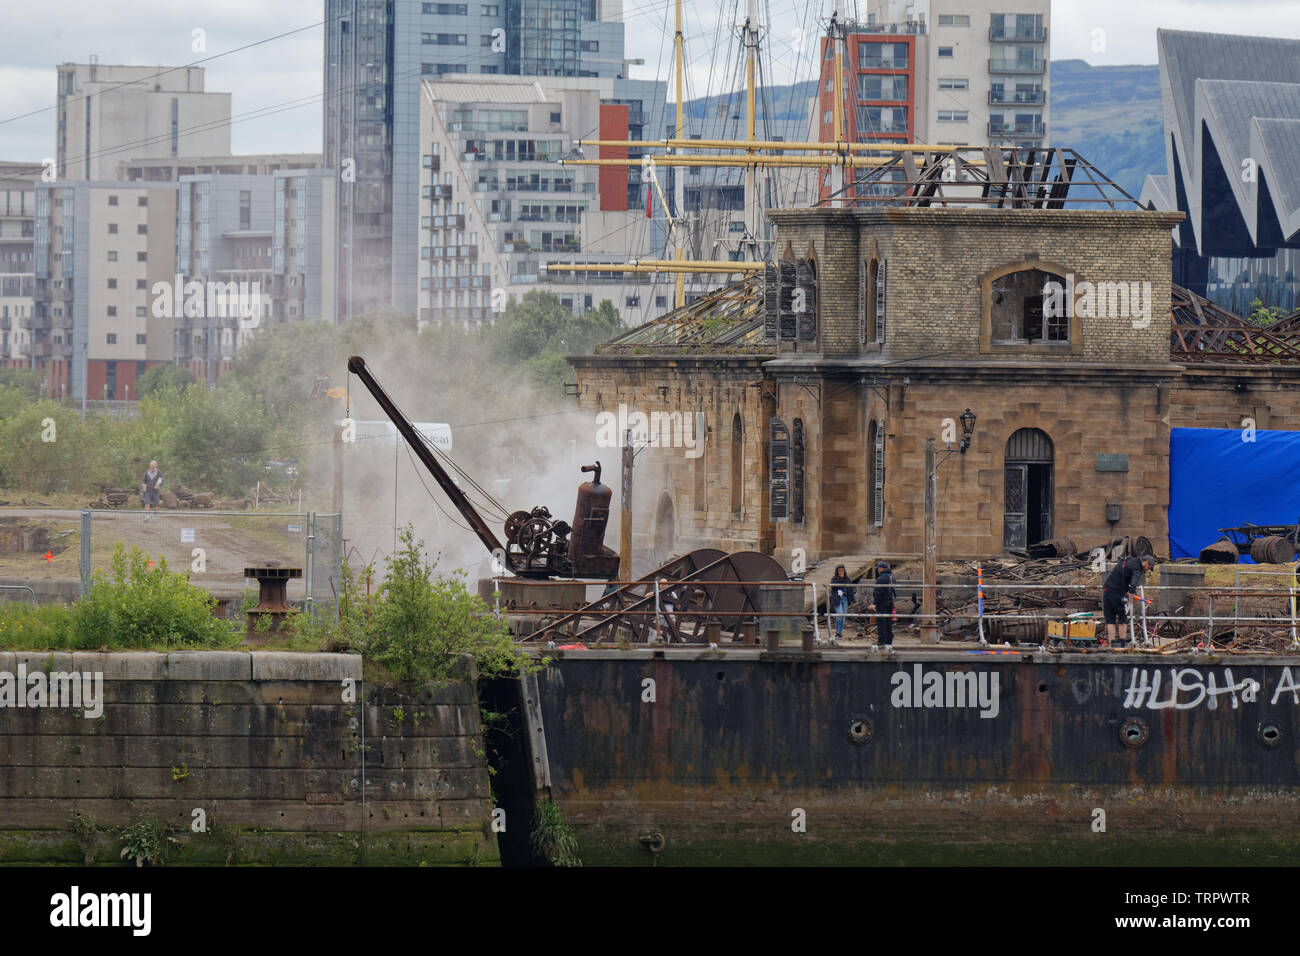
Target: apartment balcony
[(5, 323), (42, 349), (1017, 97), (62, 350), (38, 323), (66, 322), (997, 65), (440, 192), (1003, 35), (24, 349), (882, 63), (1017, 129), (449, 222)]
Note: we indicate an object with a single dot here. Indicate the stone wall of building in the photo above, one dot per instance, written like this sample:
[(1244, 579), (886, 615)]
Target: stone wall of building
[(936, 258), (699, 487)]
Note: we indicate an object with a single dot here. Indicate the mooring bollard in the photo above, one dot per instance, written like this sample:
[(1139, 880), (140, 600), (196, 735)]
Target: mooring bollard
[(807, 635), (773, 640), (748, 633), (713, 631), (273, 599)]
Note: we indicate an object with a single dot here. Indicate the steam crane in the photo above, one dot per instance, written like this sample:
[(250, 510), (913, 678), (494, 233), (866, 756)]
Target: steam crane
[(537, 546)]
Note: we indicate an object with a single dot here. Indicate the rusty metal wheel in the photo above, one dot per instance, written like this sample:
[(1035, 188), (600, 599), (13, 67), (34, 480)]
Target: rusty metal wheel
[(516, 521)]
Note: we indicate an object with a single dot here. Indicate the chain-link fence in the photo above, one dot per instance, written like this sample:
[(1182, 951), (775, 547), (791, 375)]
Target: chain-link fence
[(216, 547)]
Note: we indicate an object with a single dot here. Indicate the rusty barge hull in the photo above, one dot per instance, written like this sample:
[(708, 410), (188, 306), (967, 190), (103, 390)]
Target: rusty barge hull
[(741, 756)]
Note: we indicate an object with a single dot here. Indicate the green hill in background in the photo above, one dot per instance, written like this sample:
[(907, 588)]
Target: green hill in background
[(1109, 114)]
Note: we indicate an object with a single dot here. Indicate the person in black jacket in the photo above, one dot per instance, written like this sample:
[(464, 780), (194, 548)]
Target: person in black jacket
[(1123, 582), (841, 598), (882, 598)]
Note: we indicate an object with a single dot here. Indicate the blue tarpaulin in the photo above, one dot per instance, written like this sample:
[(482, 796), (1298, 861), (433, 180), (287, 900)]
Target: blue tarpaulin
[(1219, 480)]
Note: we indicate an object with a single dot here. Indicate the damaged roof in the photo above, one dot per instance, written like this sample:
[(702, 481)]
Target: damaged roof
[(726, 321)]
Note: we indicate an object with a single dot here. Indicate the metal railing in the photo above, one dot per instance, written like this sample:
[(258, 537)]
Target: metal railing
[(1145, 624)]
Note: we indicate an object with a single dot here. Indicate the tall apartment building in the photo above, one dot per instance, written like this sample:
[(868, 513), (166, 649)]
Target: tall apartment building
[(496, 206), (223, 243), (107, 114), (376, 52), (257, 251), (100, 251), (17, 237), (169, 169), (946, 72)]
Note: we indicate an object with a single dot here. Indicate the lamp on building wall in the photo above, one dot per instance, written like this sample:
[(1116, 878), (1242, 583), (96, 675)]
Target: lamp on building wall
[(967, 430)]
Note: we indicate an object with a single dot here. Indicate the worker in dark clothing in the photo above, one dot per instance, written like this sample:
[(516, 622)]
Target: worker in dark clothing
[(882, 605), (1122, 583), (841, 598)]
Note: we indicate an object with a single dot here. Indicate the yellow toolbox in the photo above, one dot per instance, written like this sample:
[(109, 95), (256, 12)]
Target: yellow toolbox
[(1085, 630)]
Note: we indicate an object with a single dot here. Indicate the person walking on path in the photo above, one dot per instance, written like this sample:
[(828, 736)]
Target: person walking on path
[(882, 605), (841, 598), (152, 482)]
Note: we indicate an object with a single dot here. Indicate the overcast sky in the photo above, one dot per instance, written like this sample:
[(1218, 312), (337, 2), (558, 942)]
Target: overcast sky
[(274, 74)]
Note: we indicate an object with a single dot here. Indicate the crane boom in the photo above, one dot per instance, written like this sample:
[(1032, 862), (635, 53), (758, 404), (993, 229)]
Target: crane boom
[(357, 366)]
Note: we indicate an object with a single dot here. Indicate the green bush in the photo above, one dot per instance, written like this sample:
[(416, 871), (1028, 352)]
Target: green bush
[(420, 622), (136, 605)]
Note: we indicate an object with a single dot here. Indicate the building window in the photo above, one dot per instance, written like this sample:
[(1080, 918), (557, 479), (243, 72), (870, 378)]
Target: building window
[(142, 201), (1016, 309), (796, 472), (112, 283), (140, 312), (661, 302), (954, 20), (112, 311), (245, 209), (589, 46), (112, 229), (953, 116), (737, 464), (142, 230), (491, 10), (140, 339), (489, 69), (945, 52), (778, 452), (111, 338), (876, 451), (112, 256), (555, 117), (112, 201), (142, 257), (953, 83), (632, 302), (141, 284), (446, 9)]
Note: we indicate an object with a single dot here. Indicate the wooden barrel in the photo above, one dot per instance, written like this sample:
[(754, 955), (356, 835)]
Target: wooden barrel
[(1272, 549), (1221, 552)]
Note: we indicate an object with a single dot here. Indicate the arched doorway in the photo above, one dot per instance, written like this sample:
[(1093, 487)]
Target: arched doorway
[(664, 526), (1027, 503)]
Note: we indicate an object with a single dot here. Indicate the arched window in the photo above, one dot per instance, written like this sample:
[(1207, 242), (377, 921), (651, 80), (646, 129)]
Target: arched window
[(1017, 312), (737, 463)]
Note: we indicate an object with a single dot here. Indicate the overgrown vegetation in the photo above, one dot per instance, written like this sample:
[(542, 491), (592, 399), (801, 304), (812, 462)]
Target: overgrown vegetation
[(137, 603), (420, 622), (553, 839), (147, 842), (275, 402)]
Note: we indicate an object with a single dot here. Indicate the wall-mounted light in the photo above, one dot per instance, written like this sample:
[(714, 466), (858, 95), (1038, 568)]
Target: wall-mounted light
[(967, 429)]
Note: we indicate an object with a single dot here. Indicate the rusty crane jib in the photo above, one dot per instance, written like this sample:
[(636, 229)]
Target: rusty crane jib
[(537, 546)]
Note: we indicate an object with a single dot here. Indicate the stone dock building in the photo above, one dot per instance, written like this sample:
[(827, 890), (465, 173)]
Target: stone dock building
[(820, 380)]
